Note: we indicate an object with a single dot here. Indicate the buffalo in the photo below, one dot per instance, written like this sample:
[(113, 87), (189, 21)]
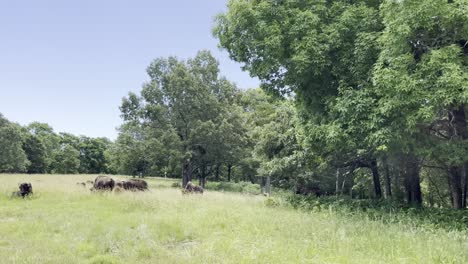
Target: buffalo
[(192, 188), (25, 189), (104, 183), (135, 185), (119, 184)]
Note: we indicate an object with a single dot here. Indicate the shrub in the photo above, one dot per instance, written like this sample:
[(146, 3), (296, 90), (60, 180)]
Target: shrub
[(242, 187), (388, 211)]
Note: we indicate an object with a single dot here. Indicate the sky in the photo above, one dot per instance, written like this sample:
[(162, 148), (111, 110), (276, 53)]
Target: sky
[(70, 63)]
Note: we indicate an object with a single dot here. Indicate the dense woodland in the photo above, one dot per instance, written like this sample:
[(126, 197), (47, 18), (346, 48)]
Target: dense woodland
[(365, 99)]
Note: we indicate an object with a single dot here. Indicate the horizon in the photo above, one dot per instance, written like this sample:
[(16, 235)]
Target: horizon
[(70, 64)]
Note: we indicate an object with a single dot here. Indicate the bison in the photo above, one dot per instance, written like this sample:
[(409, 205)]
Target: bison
[(119, 184), (192, 188), (135, 185), (103, 183), (25, 189)]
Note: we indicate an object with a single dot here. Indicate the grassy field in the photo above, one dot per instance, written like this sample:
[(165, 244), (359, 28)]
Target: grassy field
[(65, 223)]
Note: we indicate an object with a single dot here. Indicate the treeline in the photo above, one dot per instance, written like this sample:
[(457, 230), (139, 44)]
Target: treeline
[(36, 148)]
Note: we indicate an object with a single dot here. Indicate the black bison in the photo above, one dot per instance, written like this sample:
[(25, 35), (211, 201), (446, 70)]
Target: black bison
[(135, 185), (25, 189), (103, 183), (192, 188)]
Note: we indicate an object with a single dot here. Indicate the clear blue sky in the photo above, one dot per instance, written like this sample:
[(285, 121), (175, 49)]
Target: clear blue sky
[(69, 63)]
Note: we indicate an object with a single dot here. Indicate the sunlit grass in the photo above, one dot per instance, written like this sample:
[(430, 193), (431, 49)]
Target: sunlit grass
[(65, 223)]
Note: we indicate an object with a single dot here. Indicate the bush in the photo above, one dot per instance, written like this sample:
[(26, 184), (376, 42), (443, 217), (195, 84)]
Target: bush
[(388, 211), (176, 185), (272, 202), (242, 187)]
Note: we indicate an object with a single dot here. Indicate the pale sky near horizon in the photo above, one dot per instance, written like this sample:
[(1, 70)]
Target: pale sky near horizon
[(69, 63)]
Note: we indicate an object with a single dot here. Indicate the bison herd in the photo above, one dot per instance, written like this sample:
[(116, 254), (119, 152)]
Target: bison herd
[(106, 183)]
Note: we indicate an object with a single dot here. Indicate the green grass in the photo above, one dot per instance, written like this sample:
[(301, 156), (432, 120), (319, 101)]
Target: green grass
[(65, 223)]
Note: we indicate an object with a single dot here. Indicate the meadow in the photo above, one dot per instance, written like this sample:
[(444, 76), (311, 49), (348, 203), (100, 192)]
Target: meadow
[(66, 223)]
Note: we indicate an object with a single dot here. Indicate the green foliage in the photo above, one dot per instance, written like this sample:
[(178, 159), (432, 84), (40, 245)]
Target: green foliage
[(92, 155), (186, 111), (386, 211), (49, 139), (272, 202), (12, 156), (36, 154), (240, 187), (66, 160)]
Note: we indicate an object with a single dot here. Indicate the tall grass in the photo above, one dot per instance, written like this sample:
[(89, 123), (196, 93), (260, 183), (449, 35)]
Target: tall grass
[(64, 223)]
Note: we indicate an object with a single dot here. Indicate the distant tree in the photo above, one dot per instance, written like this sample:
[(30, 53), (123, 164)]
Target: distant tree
[(188, 99), (36, 154), (66, 160), (92, 155), (51, 141), (12, 156)]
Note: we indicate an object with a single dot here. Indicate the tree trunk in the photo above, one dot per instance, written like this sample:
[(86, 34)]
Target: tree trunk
[(262, 184), (376, 178), (465, 185), (267, 186), (459, 131), (351, 183), (229, 172), (217, 173), (186, 172), (203, 175), (388, 182), (412, 180), (337, 182), (456, 188)]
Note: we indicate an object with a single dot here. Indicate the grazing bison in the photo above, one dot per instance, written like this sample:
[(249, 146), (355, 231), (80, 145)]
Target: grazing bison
[(103, 183), (135, 185), (25, 189), (192, 188), (119, 184)]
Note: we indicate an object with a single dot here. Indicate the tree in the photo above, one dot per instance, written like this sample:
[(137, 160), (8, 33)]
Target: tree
[(36, 154), (187, 99), (12, 155), (92, 155), (320, 51), (66, 160), (421, 79), (51, 141)]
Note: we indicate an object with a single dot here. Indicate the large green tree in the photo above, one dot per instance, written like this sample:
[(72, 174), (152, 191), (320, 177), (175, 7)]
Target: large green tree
[(190, 100), (321, 51), (12, 156), (36, 154), (422, 82)]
